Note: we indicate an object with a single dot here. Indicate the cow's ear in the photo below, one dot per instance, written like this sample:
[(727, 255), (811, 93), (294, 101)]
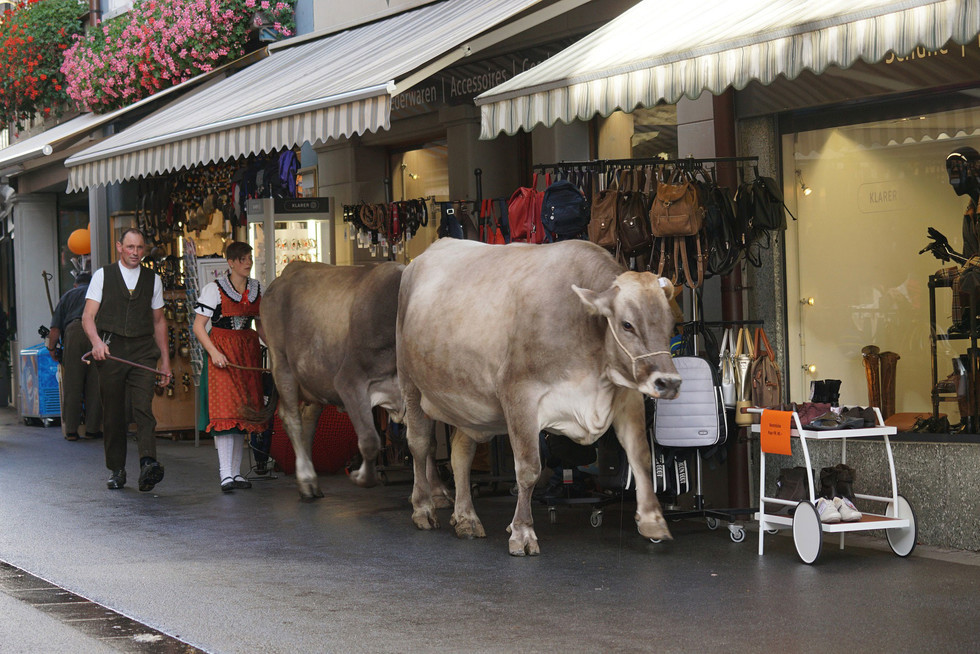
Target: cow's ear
[(595, 303), (668, 287)]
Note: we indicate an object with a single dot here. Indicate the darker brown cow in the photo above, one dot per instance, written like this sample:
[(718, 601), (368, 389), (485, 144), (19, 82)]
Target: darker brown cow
[(331, 337), (522, 338)]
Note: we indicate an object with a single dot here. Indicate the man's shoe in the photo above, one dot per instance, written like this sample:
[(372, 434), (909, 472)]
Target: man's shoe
[(71, 436), (241, 482), (261, 468), (117, 480), (848, 512), (227, 484), (827, 511), (151, 474), (93, 435)]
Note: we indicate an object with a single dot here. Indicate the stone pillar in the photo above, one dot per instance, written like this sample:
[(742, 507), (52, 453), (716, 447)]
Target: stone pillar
[(498, 159)]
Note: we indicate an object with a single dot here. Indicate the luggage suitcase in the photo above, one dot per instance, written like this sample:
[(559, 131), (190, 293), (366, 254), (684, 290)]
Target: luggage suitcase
[(696, 417)]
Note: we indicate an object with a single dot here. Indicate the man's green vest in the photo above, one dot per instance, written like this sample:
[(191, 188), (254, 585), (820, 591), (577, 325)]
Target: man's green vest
[(123, 313)]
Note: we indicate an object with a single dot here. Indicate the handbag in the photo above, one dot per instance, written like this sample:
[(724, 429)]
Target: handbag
[(524, 212), (726, 368), (602, 226), (744, 356), (767, 385), (490, 231), (675, 209), (633, 229)]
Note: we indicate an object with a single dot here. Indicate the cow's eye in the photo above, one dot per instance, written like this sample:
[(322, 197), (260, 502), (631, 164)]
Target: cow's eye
[(628, 326)]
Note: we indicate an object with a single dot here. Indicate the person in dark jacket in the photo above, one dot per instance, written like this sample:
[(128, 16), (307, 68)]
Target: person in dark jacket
[(79, 382)]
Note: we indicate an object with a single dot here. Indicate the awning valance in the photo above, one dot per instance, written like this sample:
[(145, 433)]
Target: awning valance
[(661, 50), (332, 87)]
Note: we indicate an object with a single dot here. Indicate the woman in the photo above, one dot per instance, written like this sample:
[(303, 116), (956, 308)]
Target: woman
[(231, 303)]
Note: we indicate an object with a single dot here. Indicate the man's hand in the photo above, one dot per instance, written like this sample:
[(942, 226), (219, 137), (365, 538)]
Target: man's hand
[(100, 351)]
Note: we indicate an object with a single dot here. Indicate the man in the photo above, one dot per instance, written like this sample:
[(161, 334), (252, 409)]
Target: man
[(124, 310), (79, 382)]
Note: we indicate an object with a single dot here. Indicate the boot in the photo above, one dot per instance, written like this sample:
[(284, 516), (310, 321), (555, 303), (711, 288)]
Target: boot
[(889, 362), (828, 483), (845, 481), (873, 372), (832, 388), (818, 391)]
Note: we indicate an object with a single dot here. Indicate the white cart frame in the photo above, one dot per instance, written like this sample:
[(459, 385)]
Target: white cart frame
[(898, 520)]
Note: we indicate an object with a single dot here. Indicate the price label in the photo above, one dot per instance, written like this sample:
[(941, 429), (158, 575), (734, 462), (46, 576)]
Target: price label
[(774, 431)]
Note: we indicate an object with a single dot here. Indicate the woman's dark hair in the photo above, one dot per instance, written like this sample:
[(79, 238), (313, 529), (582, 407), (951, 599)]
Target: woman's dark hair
[(237, 250)]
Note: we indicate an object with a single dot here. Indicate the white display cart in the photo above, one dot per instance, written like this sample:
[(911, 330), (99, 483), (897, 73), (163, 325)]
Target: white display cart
[(898, 519)]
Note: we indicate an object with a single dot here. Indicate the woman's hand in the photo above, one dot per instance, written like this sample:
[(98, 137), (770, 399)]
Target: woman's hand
[(219, 360)]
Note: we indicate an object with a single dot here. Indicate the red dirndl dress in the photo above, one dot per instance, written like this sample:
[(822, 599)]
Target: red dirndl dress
[(230, 389)]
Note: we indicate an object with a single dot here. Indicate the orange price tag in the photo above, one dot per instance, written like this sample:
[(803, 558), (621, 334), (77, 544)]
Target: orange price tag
[(774, 431)]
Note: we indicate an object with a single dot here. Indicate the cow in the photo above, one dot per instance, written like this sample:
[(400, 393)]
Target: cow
[(330, 331), (522, 338)]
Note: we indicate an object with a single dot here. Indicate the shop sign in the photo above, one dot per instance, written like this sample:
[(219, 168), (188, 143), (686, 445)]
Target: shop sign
[(878, 196), (302, 205), (460, 84)]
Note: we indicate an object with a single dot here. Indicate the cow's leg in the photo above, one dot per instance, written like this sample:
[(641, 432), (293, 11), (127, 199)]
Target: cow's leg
[(629, 421), (300, 433), (358, 405), (420, 443), (527, 465), (464, 518)]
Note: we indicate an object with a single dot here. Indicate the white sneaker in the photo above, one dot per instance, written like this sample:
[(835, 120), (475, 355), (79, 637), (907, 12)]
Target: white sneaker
[(827, 511), (848, 512)]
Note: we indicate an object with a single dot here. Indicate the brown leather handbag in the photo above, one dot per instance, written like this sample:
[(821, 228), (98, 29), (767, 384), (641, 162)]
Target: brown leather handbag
[(633, 229), (602, 226), (767, 382), (675, 210)]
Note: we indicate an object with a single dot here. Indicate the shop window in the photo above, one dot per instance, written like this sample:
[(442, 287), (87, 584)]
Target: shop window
[(421, 173), (655, 132), (875, 189)]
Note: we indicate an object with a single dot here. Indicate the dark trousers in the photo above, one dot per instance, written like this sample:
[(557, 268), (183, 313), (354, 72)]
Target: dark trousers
[(116, 379), (79, 383)]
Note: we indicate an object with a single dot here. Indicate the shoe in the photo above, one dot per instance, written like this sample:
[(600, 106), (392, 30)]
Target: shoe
[(262, 468), (92, 435), (71, 436), (227, 484), (827, 511), (151, 474), (117, 480), (848, 512), (241, 482)]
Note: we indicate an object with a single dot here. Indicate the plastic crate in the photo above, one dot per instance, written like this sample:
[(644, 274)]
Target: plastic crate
[(40, 393)]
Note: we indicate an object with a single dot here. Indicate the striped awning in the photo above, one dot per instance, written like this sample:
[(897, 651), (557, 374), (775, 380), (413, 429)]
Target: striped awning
[(327, 88), (662, 50)]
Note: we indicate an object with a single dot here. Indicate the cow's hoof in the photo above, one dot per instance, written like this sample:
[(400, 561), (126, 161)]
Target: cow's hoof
[(655, 528), (364, 479), (468, 528), (425, 519), (522, 543)]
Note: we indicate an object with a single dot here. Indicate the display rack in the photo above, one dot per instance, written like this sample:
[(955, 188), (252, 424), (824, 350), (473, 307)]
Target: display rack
[(898, 520), (973, 355)]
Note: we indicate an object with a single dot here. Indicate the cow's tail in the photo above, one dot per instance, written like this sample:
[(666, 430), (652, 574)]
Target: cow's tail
[(264, 415)]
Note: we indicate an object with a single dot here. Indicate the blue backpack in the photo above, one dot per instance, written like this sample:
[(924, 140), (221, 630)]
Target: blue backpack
[(565, 211)]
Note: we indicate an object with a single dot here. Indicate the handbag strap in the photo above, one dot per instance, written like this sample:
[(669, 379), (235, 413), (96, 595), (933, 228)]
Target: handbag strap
[(760, 335)]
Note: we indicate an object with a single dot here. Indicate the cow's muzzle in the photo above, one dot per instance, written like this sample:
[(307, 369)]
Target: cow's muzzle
[(666, 386)]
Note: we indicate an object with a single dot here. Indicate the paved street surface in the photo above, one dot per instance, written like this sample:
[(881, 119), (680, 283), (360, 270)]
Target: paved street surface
[(258, 570)]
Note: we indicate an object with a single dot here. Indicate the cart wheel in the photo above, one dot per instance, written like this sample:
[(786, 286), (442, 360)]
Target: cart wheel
[(655, 540), (737, 533), (712, 522), (596, 518), (515, 490), (553, 515), (807, 532), (902, 541), (772, 532), (474, 490)]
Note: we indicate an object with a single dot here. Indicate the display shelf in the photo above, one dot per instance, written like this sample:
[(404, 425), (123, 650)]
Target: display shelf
[(973, 366), (897, 520)]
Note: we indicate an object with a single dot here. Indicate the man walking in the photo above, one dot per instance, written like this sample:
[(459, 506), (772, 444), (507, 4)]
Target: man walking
[(124, 311), (79, 382)]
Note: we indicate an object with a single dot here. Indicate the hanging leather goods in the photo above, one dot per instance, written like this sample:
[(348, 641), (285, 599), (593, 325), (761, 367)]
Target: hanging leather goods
[(767, 383), (726, 368), (602, 226), (744, 356)]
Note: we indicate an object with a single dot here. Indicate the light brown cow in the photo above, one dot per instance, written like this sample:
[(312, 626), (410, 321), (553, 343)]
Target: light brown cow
[(331, 337), (522, 338)]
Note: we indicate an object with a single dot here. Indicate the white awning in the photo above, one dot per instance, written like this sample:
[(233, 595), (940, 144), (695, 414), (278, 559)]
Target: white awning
[(333, 87), (661, 50)]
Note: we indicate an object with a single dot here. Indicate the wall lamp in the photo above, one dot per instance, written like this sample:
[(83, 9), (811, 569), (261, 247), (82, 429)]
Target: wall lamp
[(806, 189), (810, 368), (807, 301)]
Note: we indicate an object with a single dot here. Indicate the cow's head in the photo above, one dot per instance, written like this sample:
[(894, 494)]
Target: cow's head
[(641, 323)]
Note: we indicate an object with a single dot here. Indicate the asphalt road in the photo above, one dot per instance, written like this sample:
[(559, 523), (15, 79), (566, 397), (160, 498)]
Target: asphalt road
[(258, 570)]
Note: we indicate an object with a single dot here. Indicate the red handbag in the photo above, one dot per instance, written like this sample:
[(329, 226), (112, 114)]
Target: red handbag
[(490, 231), (524, 212)]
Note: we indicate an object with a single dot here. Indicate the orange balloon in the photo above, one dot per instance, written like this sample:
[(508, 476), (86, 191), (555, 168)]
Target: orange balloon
[(79, 242)]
